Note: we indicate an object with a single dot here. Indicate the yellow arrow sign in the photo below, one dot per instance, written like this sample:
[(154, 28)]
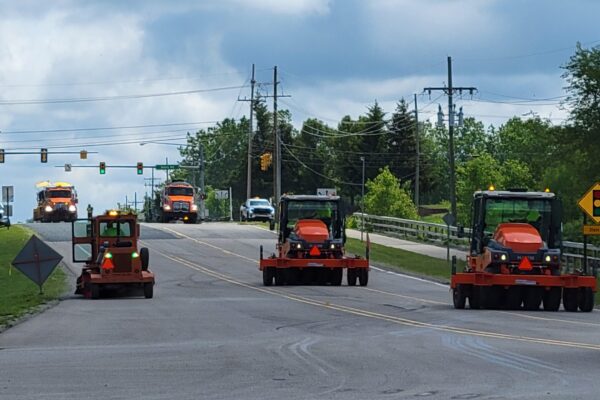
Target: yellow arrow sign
[(590, 203)]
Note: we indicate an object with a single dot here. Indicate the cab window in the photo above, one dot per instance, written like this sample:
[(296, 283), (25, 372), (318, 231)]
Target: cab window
[(115, 229)]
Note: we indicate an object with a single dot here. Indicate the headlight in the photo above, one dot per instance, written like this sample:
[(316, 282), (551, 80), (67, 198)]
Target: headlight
[(48, 209), (194, 207), (548, 259), (332, 246), (503, 257), (272, 211), (298, 246), (72, 208), (167, 207)]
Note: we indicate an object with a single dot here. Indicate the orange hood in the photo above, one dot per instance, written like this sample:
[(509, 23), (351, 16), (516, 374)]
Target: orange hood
[(181, 198), (56, 200), (521, 238), (312, 230)]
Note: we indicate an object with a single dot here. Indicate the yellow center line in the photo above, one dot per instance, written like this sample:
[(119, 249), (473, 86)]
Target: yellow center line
[(403, 296), (566, 321)]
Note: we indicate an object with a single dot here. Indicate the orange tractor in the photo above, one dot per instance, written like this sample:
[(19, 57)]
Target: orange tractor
[(310, 246), (108, 245), (515, 256)]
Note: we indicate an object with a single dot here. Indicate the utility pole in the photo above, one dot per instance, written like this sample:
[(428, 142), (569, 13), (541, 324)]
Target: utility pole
[(418, 166), (277, 146), (362, 200), (449, 91), (250, 136), (202, 180)]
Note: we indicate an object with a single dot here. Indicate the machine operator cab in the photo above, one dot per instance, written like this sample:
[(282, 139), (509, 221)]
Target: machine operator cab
[(541, 210)]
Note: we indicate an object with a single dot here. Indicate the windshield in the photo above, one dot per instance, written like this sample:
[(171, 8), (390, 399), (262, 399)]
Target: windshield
[(53, 194), (180, 191), (532, 211), (324, 210), (263, 203), (115, 229)]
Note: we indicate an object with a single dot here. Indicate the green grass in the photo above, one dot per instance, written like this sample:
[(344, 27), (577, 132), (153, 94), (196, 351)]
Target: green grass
[(405, 261), (434, 218), (18, 294)]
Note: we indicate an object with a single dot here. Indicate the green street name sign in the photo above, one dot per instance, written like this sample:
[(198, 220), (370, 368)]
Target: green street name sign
[(162, 167)]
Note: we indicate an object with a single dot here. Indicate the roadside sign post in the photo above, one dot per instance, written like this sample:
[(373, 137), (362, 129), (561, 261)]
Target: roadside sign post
[(590, 205), (450, 220), (36, 260)]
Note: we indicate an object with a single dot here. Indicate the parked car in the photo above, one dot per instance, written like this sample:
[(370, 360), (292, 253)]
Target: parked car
[(257, 209)]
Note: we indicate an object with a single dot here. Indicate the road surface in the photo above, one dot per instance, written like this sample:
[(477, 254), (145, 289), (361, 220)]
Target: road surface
[(212, 331)]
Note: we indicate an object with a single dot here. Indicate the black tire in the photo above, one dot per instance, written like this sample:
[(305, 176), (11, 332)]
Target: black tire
[(95, 291), (293, 276), (363, 276), (514, 297), (570, 299), (279, 277), (145, 258), (459, 297), (586, 299), (533, 298), (551, 298), (322, 276), (475, 298), (268, 275), (351, 277), (148, 290), (490, 297), (336, 276)]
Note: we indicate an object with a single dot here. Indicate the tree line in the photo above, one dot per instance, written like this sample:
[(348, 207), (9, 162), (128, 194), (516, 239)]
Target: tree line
[(528, 153)]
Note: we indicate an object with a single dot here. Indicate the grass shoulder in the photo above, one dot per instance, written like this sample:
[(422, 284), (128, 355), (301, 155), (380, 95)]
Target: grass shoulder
[(19, 295), (405, 261)]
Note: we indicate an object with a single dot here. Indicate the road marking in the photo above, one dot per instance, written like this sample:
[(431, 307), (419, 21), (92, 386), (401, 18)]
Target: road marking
[(409, 277), (403, 296), (380, 316), (566, 321)]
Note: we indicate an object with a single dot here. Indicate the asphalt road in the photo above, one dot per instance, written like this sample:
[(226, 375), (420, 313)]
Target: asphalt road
[(213, 331)]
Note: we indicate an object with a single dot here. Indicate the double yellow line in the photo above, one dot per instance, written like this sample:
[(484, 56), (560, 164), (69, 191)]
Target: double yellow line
[(366, 313)]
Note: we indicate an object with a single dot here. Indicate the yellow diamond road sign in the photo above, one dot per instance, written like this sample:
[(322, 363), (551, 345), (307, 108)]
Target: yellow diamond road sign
[(590, 202)]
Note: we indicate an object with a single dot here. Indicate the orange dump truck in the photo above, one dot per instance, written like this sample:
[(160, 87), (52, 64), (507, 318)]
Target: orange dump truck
[(178, 202), (514, 258), (55, 202), (310, 248)]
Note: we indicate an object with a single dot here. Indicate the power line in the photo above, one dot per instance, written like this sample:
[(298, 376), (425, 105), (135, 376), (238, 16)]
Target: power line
[(119, 97), (63, 130)]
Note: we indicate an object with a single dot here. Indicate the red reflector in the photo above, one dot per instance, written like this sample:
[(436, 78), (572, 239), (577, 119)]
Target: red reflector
[(107, 264), (315, 251), (525, 264)]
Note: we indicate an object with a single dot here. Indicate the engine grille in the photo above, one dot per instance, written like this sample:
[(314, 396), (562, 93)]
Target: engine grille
[(181, 206), (262, 211), (122, 263)]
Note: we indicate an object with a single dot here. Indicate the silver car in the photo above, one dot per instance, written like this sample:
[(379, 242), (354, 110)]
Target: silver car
[(257, 209)]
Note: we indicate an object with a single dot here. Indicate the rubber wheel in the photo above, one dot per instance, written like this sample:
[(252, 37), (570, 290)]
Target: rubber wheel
[(475, 298), (279, 277), (363, 276), (586, 299), (489, 297), (459, 297), (95, 291), (148, 290), (293, 276), (570, 299), (336, 276), (145, 258), (551, 298), (268, 275), (533, 298), (351, 277), (514, 297)]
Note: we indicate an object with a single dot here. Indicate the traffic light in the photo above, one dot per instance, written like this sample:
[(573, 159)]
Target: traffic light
[(1, 156), (44, 155), (83, 154), (265, 161), (140, 168), (596, 203), (102, 168)]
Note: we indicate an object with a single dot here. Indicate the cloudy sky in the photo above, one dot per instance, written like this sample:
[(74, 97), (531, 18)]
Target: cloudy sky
[(107, 75)]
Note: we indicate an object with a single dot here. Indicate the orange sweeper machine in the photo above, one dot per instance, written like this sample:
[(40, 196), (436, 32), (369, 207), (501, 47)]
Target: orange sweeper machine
[(310, 245), (514, 258)]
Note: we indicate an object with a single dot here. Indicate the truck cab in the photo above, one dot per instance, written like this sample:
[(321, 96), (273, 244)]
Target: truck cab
[(56, 202), (178, 202), (108, 245)]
